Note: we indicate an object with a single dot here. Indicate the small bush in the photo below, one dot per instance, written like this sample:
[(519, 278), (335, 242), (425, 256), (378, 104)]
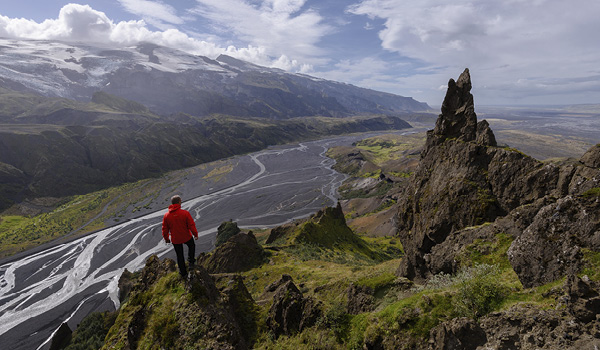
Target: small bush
[(479, 291)]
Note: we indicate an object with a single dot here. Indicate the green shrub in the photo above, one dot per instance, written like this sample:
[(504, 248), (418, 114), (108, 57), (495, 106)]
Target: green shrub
[(479, 291)]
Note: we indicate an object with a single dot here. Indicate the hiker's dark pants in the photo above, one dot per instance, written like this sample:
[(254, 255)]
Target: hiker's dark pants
[(191, 255)]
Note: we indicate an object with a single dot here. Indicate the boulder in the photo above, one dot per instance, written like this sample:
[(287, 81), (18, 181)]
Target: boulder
[(360, 299), (591, 158), (457, 334), (240, 253), (550, 247), (290, 312)]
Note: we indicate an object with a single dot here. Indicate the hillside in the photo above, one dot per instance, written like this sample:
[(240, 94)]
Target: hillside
[(169, 81), (52, 147), (499, 251)]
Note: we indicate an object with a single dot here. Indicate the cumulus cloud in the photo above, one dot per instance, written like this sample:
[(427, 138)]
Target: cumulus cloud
[(81, 23), (541, 41)]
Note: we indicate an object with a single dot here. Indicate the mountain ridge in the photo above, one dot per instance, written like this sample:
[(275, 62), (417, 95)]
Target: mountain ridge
[(169, 81), (113, 140)]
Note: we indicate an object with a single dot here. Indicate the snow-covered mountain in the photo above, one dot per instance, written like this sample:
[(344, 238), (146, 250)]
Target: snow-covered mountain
[(169, 81)]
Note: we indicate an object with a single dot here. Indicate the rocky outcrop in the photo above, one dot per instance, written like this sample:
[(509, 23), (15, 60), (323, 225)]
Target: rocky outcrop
[(212, 313), (290, 312), (240, 253), (126, 283), (464, 180), (461, 181), (591, 158), (573, 326), (61, 338), (236, 297), (458, 119), (360, 299), (280, 232), (457, 334), (550, 247), (225, 231)]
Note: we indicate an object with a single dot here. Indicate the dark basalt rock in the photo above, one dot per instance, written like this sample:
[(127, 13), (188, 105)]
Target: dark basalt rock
[(62, 337), (463, 181), (153, 271), (225, 231), (591, 158), (279, 232), (527, 327), (551, 246), (236, 297), (240, 253), (290, 312), (360, 299), (213, 313), (126, 283), (458, 119), (457, 334)]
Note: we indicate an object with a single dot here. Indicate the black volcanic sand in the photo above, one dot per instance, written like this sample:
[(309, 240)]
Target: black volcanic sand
[(68, 281)]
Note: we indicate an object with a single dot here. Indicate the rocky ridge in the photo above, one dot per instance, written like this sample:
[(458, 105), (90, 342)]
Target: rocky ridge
[(464, 180)]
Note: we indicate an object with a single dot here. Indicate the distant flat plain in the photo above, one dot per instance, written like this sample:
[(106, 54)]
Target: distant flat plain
[(545, 132)]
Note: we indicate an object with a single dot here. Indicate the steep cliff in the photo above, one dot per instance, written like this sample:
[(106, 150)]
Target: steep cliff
[(464, 180)]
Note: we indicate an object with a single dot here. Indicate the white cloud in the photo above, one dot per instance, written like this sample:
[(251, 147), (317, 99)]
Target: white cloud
[(83, 23), (152, 10), (543, 41), (280, 26)]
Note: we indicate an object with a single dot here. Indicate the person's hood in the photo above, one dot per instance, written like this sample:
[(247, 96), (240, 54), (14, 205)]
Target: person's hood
[(174, 207)]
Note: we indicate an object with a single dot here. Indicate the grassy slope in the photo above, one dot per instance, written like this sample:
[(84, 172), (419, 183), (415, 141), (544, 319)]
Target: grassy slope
[(402, 318)]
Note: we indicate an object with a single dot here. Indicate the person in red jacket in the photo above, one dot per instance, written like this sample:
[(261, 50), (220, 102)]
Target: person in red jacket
[(180, 224)]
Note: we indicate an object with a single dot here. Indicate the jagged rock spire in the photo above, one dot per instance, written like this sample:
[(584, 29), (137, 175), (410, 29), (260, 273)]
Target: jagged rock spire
[(458, 119)]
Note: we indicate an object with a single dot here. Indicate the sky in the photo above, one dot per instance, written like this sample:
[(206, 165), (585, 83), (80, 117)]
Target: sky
[(519, 52)]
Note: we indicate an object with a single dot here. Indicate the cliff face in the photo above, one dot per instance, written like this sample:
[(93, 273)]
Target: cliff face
[(464, 180)]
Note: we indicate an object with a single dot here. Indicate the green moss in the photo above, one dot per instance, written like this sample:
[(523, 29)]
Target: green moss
[(225, 231), (593, 192), (488, 252), (400, 174), (377, 282), (591, 264)]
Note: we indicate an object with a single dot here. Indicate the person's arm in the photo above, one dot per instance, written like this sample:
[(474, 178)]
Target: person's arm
[(165, 229), (192, 226)]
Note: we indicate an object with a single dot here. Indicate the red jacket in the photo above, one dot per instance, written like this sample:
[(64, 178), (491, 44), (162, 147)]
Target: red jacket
[(180, 223)]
